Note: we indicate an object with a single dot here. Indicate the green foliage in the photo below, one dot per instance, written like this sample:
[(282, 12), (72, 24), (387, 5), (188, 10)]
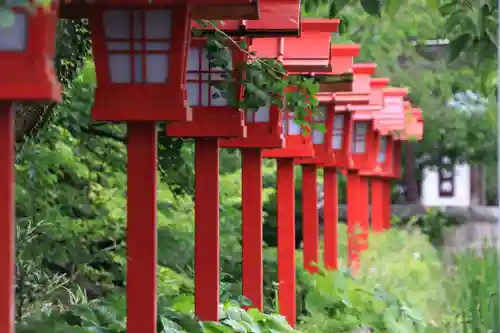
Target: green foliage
[(400, 288), (432, 224), (474, 290), (109, 316)]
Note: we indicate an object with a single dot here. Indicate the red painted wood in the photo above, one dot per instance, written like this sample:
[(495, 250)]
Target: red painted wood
[(378, 202), (251, 201), (352, 217), (7, 218), (206, 217), (387, 203), (330, 218), (30, 75), (364, 213), (310, 227), (357, 217), (141, 227), (286, 239)]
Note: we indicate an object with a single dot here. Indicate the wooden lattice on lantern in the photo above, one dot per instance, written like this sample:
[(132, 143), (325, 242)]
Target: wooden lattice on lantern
[(27, 49), (277, 18), (197, 9), (215, 113)]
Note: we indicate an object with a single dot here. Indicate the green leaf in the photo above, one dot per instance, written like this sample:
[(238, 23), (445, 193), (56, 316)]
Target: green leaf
[(392, 7), (372, 7), (458, 45)]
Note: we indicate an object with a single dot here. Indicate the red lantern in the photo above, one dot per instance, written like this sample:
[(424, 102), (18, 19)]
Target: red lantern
[(277, 18), (213, 117), (139, 59), (316, 36), (27, 49), (213, 113)]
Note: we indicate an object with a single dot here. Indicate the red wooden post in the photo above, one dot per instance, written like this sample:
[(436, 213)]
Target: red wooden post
[(141, 227), (378, 204), (330, 218), (213, 118), (354, 204), (315, 38), (387, 204), (7, 218), (251, 211), (310, 217), (285, 191), (206, 262), (364, 213)]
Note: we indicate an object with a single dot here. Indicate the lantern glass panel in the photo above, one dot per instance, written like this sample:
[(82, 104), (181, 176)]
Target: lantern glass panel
[(318, 136), (338, 131), (382, 149), (138, 43), (359, 137), (290, 127), (261, 115), (14, 36), (201, 77)]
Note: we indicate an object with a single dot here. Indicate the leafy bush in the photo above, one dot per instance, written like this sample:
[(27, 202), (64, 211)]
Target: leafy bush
[(474, 291), (399, 288), (109, 317)]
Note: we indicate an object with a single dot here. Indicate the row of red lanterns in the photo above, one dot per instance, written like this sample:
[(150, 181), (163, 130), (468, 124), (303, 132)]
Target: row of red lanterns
[(149, 69)]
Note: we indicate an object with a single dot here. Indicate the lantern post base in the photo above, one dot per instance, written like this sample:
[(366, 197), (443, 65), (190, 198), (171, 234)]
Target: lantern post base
[(141, 227), (251, 201), (7, 218), (330, 218), (206, 216), (310, 225), (285, 193)]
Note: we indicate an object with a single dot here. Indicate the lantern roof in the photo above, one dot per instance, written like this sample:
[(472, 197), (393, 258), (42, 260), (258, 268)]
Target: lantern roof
[(324, 97), (206, 9), (342, 57), (377, 86), (348, 98), (392, 116), (398, 92), (363, 112), (368, 69), (277, 18), (379, 82), (308, 53)]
